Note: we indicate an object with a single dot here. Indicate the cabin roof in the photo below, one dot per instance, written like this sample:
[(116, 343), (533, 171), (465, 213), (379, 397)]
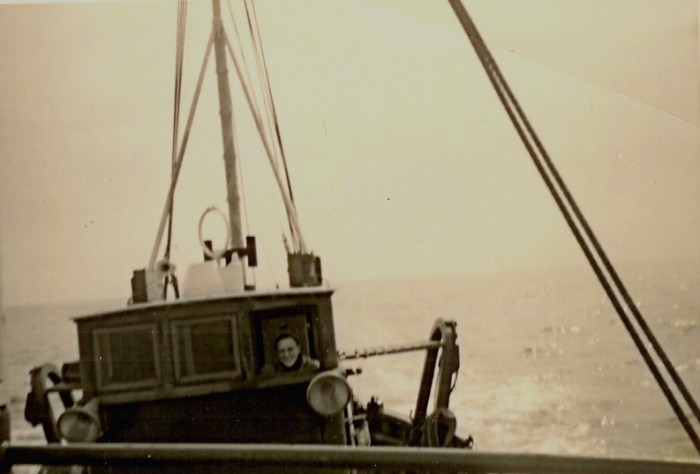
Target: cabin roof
[(194, 301)]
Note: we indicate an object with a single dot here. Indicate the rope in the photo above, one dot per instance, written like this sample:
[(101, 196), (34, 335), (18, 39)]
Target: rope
[(289, 206), (179, 61), (235, 136), (508, 100), (606, 262), (272, 142), (179, 55), (248, 83), (261, 78), (273, 112), (439, 429), (180, 156)]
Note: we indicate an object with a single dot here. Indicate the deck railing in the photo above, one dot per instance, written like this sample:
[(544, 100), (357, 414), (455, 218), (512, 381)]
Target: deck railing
[(375, 459)]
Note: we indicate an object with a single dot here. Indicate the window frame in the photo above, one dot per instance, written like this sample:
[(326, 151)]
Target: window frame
[(101, 352), (259, 319), (175, 326)]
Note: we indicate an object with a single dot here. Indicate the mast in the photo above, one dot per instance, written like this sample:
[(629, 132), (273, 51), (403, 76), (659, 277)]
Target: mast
[(226, 112), (304, 268)]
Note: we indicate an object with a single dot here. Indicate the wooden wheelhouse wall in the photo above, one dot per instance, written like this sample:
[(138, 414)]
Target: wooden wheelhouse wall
[(194, 371)]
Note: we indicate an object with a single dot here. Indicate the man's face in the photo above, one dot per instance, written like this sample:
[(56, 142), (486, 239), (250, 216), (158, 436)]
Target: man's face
[(287, 351)]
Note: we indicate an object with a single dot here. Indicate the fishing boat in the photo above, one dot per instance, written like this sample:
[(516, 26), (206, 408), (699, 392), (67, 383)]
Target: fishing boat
[(207, 366), (194, 373)]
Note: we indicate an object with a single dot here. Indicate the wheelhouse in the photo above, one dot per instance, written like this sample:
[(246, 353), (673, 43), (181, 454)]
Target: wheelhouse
[(201, 370)]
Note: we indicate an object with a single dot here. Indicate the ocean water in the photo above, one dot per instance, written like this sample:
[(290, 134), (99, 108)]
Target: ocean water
[(546, 365)]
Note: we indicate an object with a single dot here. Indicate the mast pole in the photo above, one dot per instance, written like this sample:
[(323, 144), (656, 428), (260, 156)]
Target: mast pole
[(226, 112)]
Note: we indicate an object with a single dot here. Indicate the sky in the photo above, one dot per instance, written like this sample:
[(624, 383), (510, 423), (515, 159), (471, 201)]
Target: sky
[(403, 163)]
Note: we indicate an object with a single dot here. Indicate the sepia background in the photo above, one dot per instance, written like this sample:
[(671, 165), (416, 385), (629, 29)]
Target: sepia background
[(409, 181)]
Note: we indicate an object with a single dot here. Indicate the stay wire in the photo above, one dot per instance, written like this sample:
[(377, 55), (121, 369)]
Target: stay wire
[(179, 60), (249, 81), (500, 85), (274, 115), (264, 81), (179, 53), (639, 318), (261, 68), (181, 154), (288, 205), (247, 85), (601, 253), (261, 78)]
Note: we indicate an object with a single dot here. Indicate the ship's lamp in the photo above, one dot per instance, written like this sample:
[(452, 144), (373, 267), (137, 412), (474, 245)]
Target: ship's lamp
[(81, 424), (328, 393)]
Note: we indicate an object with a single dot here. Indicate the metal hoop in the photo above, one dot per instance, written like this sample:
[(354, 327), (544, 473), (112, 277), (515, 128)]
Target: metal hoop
[(214, 254)]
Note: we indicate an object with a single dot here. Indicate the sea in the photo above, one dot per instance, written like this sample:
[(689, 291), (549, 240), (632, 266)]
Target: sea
[(546, 364)]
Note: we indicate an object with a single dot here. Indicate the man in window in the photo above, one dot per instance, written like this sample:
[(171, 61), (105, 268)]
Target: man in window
[(290, 358)]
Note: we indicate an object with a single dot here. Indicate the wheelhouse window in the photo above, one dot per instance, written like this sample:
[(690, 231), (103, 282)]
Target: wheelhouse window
[(205, 349), (126, 357), (273, 323)]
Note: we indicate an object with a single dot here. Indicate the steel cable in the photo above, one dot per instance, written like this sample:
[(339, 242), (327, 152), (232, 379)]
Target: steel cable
[(601, 253), (273, 123), (179, 61), (508, 99), (181, 154)]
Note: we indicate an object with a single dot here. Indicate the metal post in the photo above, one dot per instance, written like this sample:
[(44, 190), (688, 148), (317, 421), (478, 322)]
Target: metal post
[(226, 111)]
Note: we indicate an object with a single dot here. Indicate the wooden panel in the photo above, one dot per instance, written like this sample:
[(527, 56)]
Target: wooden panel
[(168, 360), (126, 357), (205, 349), (272, 415)]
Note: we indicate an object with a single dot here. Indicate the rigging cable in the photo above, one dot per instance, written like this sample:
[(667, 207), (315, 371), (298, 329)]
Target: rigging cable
[(508, 99), (235, 136), (289, 206), (181, 154), (273, 111), (249, 81), (265, 133), (619, 285), (179, 61), (254, 39)]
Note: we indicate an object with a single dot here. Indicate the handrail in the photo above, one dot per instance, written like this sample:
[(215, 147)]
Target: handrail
[(376, 458)]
